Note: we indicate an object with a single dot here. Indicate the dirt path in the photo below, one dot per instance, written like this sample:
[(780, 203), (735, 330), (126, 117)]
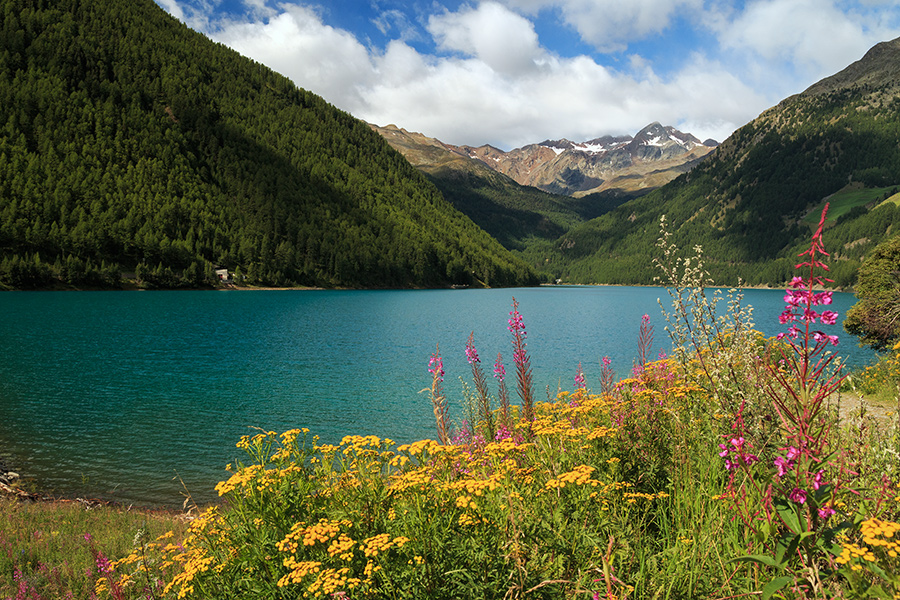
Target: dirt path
[(851, 407)]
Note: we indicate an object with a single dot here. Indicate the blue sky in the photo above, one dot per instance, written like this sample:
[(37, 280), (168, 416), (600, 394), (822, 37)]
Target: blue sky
[(513, 72)]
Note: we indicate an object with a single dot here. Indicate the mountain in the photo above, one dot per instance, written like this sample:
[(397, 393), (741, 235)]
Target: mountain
[(132, 144), (650, 159), (752, 203), (500, 191), (514, 214)]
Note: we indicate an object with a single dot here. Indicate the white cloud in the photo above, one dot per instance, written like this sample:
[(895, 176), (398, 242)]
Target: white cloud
[(815, 37), (396, 22), (612, 24), (296, 43), (498, 37), (490, 79)]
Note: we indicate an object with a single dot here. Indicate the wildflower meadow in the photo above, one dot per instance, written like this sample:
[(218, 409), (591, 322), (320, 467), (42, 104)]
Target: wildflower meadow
[(722, 471)]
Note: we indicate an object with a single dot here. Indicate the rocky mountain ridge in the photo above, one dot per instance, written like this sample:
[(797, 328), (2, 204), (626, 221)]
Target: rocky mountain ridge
[(632, 165)]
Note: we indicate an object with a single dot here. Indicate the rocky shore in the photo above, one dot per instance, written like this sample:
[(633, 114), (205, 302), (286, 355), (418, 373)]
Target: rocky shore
[(10, 483)]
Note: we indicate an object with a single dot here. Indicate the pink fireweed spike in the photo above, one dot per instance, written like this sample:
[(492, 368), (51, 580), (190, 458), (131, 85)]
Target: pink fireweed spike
[(802, 373), (607, 377), (524, 376), (579, 378)]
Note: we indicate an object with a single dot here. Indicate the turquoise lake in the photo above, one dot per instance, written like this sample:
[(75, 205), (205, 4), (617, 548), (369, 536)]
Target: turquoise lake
[(125, 395)]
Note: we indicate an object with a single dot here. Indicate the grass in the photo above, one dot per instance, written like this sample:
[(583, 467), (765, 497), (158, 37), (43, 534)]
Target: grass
[(49, 550), (842, 201)]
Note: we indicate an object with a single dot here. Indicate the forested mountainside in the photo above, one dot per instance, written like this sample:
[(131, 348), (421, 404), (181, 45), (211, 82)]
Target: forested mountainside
[(506, 193), (514, 214), (129, 143), (751, 203)]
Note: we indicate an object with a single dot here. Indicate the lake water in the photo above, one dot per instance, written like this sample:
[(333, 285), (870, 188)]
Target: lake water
[(124, 395)]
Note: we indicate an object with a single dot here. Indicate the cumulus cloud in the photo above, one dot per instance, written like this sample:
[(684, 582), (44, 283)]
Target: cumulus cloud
[(813, 37), (612, 24), (316, 56), (480, 74), (498, 37)]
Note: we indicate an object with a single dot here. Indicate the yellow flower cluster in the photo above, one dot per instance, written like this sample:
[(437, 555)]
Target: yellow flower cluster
[(874, 530), (331, 581), (475, 487), (298, 570), (238, 480), (852, 551), (194, 561), (382, 542), (465, 502), (420, 447), (465, 485), (632, 497), (419, 478), (466, 520), (875, 534), (342, 547), (580, 475), (322, 531), (304, 538), (601, 432)]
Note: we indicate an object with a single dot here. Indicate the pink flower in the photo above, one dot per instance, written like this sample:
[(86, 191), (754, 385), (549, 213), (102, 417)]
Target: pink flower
[(822, 298), (787, 317), (436, 366), (472, 355), (782, 466), (724, 451), (499, 369), (825, 512), (797, 495), (796, 282), (792, 453), (606, 361), (749, 459), (516, 325), (817, 480), (792, 298), (829, 317), (579, 378)]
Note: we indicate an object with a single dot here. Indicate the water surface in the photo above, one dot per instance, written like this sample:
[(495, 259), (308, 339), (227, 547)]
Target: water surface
[(125, 395)]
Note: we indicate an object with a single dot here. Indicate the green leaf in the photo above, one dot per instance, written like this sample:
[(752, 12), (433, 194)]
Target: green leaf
[(760, 559), (775, 585), (786, 551), (788, 514)]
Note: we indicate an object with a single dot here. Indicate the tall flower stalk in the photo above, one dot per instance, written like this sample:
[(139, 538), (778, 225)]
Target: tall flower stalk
[(438, 401), (607, 377), (801, 381), (500, 375), (485, 414), (645, 340), (524, 378), (790, 500)]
